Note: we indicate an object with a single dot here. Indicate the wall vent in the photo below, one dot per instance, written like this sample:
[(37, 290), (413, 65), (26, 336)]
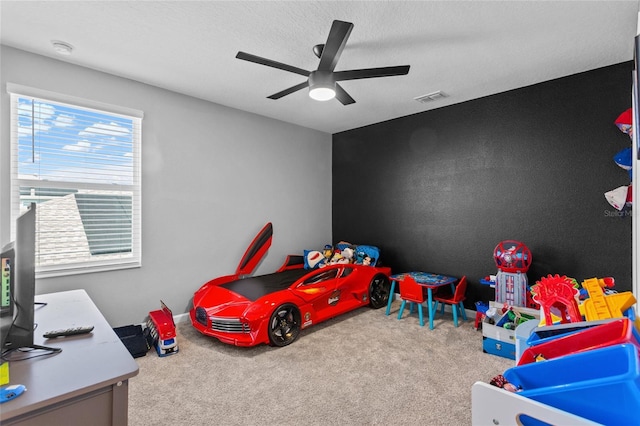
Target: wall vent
[(429, 97)]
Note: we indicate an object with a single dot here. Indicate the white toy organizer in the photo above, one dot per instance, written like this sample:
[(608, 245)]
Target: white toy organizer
[(491, 405)]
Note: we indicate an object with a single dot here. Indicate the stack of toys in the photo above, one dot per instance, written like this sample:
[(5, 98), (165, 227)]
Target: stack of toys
[(584, 355), (513, 305), (342, 252)]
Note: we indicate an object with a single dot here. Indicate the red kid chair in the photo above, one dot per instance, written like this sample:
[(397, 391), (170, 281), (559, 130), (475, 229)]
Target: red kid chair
[(455, 300), (411, 292)]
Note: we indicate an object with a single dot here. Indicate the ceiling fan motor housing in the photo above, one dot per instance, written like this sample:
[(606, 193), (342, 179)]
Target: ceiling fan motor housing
[(322, 85)]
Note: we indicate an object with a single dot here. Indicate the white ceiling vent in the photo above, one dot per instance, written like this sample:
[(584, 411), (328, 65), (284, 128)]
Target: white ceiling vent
[(435, 96)]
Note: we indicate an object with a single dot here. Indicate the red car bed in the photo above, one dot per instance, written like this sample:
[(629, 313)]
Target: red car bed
[(248, 310)]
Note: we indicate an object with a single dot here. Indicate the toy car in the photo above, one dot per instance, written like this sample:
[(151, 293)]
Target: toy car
[(274, 308)]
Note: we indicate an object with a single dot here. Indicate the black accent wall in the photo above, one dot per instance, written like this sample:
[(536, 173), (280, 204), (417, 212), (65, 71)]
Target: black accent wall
[(438, 190)]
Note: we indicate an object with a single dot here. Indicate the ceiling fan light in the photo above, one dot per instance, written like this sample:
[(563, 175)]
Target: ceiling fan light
[(322, 86), (322, 93)]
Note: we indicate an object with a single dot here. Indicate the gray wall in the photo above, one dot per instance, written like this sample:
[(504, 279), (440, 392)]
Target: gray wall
[(212, 176)]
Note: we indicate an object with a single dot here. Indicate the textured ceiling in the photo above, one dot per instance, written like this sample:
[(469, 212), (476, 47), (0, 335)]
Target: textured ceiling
[(466, 49)]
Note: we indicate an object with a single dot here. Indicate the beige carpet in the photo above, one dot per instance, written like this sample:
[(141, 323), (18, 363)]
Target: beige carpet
[(363, 368)]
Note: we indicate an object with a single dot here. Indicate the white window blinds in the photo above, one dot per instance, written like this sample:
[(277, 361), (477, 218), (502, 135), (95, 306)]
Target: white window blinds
[(81, 166)]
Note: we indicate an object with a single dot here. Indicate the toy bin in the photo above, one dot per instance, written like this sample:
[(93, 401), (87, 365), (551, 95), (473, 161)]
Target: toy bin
[(501, 341), (546, 333), (615, 332), (602, 385)]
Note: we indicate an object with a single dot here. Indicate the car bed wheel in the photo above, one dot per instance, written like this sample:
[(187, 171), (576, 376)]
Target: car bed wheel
[(379, 290), (284, 325)]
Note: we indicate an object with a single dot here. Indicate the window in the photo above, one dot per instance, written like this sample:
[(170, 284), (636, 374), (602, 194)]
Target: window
[(79, 162)]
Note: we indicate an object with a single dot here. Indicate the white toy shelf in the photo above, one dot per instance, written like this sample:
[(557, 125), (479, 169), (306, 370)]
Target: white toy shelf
[(491, 405)]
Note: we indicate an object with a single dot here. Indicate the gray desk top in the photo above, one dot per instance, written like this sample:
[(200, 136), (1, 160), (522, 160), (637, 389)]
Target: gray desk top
[(87, 362)]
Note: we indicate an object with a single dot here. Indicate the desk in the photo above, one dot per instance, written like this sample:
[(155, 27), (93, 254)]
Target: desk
[(87, 383), (425, 279)]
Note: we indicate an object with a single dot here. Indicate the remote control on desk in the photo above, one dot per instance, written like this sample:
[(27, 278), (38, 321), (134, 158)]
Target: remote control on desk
[(68, 332)]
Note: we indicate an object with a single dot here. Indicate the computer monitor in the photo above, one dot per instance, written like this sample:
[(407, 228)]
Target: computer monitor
[(19, 285)]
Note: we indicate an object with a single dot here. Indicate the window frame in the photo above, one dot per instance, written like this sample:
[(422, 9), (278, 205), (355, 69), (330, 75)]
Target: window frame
[(16, 91)]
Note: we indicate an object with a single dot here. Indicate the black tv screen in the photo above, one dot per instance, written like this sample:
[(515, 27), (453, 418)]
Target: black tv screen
[(18, 321)]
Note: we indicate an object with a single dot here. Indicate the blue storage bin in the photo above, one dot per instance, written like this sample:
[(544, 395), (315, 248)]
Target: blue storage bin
[(602, 385)]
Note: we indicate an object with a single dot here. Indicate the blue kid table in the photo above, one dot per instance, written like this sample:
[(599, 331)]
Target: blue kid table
[(425, 279)]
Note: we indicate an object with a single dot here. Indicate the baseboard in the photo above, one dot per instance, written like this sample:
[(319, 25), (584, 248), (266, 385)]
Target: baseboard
[(181, 318)]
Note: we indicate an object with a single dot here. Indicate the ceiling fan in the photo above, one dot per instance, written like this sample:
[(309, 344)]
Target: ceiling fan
[(322, 82)]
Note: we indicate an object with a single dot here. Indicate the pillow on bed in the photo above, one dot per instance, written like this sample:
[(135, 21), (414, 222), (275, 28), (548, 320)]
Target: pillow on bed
[(343, 245), (367, 255), (313, 259)]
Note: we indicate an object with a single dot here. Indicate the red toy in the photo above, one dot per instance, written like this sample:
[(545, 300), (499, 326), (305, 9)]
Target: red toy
[(512, 256), (163, 330), (245, 311), (513, 259), (557, 296)]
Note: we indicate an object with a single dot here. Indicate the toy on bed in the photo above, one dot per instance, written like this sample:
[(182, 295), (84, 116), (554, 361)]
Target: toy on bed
[(314, 259), (367, 255), (342, 252)]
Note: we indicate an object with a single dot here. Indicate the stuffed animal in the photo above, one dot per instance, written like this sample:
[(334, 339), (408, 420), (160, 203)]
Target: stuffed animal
[(348, 253), (314, 259), (624, 122)]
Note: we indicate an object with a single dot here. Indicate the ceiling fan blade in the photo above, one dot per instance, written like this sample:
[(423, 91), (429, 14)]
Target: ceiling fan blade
[(268, 62), (290, 90), (343, 96), (336, 41), (371, 73)]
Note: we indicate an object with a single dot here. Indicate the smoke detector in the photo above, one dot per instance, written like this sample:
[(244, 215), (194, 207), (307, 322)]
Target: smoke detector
[(61, 47), (429, 97)]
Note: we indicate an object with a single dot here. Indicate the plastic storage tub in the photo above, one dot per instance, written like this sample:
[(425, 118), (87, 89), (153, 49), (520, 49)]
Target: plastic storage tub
[(602, 385), (549, 332), (611, 333)]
